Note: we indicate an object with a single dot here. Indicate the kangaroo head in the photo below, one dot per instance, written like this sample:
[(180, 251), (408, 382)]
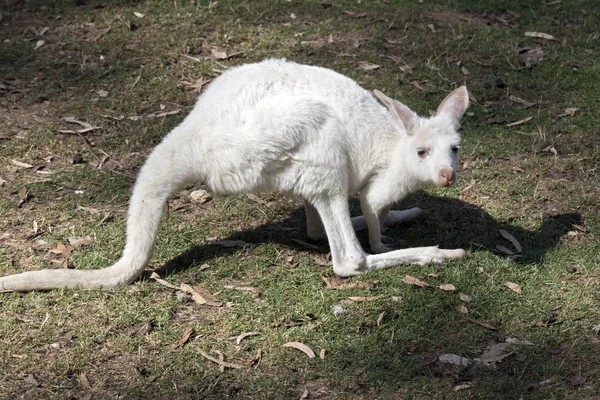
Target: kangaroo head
[(430, 145)]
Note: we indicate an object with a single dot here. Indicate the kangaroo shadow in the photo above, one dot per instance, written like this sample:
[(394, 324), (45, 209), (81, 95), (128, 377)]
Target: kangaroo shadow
[(447, 222), (370, 361)]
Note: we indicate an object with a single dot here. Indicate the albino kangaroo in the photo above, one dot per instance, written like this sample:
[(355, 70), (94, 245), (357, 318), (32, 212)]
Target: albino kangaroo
[(302, 130)]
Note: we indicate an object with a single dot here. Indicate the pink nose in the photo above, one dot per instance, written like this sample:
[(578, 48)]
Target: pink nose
[(446, 177)]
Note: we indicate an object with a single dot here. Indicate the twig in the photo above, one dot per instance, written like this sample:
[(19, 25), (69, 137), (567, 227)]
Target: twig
[(305, 244), (192, 58), (87, 144), (98, 36), (483, 324), (163, 282), (215, 360), (136, 81)]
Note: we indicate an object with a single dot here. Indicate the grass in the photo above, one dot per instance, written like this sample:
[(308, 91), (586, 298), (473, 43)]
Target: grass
[(103, 65)]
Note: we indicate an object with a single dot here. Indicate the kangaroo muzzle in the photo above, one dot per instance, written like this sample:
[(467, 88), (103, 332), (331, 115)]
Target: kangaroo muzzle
[(446, 177)]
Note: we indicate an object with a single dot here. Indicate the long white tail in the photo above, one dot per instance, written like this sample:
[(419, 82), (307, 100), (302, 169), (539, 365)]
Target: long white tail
[(159, 178)]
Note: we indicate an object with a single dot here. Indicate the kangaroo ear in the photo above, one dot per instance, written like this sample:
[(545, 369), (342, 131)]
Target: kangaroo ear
[(404, 116), (455, 104)]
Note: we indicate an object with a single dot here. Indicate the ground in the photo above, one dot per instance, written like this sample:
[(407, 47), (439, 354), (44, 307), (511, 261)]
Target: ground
[(87, 88)]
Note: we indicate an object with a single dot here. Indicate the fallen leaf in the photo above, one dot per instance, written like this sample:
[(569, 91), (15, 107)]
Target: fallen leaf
[(543, 324), (448, 287), (417, 85), (220, 362), (85, 127), (540, 35), (504, 250), (158, 279), (61, 250), (450, 365), (80, 241), (355, 15), (496, 353), (530, 56), (184, 338), (256, 359), (368, 67), (305, 394), (200, 196), (23, 196), (521, 101), (551, 149), (461, 387), (365, 298), (465, 71), (44, 30), (520, 122), (88, 209), (408, 68), (256, 199), (138, 14), (380, 318), (462, 309), (38, 44), (467, 298), (198, 84), (513, 286), (323, 260), (230, 243), (76, 121), (162, 114), (454, 359), (253, 290), (302, 347), (244, 335), (222, 54), (105, 218), (338, 309), (221, 359), (201, 295), (322, 354), (142, 330), (571, 111), (414, 281), (483, 324), (21, 164), (512, 239)]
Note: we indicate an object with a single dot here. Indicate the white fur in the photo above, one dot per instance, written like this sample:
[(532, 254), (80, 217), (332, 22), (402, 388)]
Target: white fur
[(302, 130)]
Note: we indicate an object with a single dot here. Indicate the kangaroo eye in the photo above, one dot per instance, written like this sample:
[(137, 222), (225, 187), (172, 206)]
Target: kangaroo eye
[(455, 149), (422, 153)]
